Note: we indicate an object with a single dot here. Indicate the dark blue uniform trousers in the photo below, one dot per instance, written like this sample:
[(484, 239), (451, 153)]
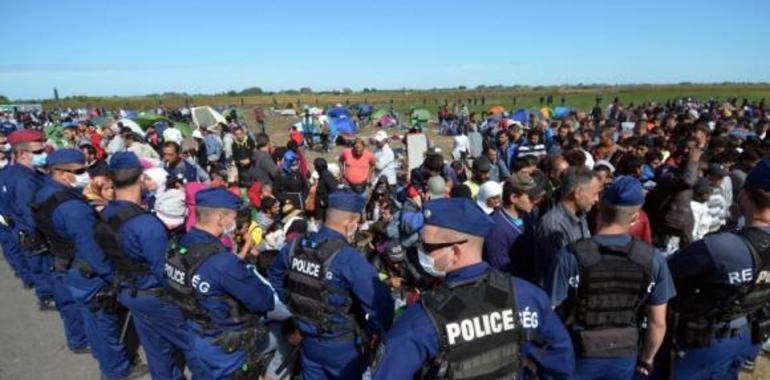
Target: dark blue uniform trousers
[(162, 331)]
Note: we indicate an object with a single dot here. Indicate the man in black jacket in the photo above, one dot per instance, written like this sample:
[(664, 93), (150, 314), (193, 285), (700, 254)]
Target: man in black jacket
[(326, 185)]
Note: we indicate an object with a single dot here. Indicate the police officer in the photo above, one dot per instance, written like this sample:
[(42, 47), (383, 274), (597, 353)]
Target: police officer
[(330, 287), (604, 318), (479, 323), (21, 181), (8, 236), (90, 275), (225, 301), (59, 164), (723, 285), (135, 242)]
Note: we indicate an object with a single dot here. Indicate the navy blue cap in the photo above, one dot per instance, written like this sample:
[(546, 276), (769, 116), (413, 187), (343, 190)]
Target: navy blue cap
[(759, 177), (65, 156), (124, 161), (624, 191), (346, 200), (459, 214), (217, 197)]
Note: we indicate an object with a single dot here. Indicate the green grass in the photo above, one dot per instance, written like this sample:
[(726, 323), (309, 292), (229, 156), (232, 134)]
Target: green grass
[(580, 98)]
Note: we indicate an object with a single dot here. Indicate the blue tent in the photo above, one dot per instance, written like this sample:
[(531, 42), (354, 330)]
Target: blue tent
[(561, 112), (336, 112), (342, 124), (521, 115)]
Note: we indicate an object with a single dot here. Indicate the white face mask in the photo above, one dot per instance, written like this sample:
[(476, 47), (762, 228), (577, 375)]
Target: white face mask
[(81, 180), (428, 264)]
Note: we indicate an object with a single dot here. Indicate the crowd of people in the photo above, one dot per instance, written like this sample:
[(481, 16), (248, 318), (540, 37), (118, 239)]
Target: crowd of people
[(628, 241)]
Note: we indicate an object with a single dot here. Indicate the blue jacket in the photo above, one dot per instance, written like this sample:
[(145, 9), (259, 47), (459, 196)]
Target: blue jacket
[(498, 245), (74, 221), (143, 239), (225, 274), (19, 184), (349, 270), (413, 340)]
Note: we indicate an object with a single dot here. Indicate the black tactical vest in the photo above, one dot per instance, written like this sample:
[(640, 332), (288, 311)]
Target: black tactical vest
[(42, 213), (699, 300), (181, 265), (107, 235), (478, 327), (308, 289), (614, 285)]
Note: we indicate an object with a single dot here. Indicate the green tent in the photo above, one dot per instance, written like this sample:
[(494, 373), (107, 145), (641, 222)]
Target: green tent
[(146, 119), (376, 115), (419, 115)]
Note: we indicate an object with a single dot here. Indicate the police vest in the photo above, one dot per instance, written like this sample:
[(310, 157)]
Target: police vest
[(614, 285), (107, 235), (308, 289), (180, 267), (478, 328), (699, 300), (42, 213)]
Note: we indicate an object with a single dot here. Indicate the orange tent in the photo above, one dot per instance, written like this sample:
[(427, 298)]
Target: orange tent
[(496, 109)]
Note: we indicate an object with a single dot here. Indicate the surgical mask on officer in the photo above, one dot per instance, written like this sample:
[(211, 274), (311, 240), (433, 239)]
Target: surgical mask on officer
[(81, 180), (228, 223), (428, 264), (38, 159)]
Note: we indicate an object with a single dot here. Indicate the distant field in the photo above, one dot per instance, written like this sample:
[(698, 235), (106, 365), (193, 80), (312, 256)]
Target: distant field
[(575, 97)]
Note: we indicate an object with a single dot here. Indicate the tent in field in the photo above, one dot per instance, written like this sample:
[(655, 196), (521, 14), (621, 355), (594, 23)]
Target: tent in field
[(338, 111), (342, 125), (496, 110), (133, 126), (204, 117), (376, 115), (419, 115), (386, 121), (521, 115), (146, 119)]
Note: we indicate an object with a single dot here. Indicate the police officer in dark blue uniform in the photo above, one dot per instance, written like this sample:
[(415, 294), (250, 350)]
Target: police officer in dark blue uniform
[(480, 323), (603, 318), (225, 300), (90, 276), (723, 286), (135, 242), (61, 164), (21, 181), (336, 297)]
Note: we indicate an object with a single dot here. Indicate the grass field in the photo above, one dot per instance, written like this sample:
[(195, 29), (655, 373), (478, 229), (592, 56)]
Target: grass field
[(581, 98)]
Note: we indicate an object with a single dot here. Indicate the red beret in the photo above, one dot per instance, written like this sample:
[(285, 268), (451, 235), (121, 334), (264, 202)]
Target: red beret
[(24, 135)]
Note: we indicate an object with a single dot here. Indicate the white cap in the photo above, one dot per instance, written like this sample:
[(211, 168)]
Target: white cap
[(380, 136), (196, 134)]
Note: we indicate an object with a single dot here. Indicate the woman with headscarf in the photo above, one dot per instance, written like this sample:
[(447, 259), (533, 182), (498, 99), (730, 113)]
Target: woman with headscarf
[(154, 181), (291, 185), (99, 191)]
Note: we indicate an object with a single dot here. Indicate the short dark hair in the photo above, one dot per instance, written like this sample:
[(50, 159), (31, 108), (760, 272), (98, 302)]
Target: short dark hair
[(509, 188), (172, 144), (125, 178), (759, 198), (614, 214), (262, 140), (434, 162)]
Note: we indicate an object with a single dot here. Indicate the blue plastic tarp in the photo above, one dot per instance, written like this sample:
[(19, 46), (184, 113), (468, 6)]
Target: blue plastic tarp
[(335, 112), (521, 115), (342, 125)]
